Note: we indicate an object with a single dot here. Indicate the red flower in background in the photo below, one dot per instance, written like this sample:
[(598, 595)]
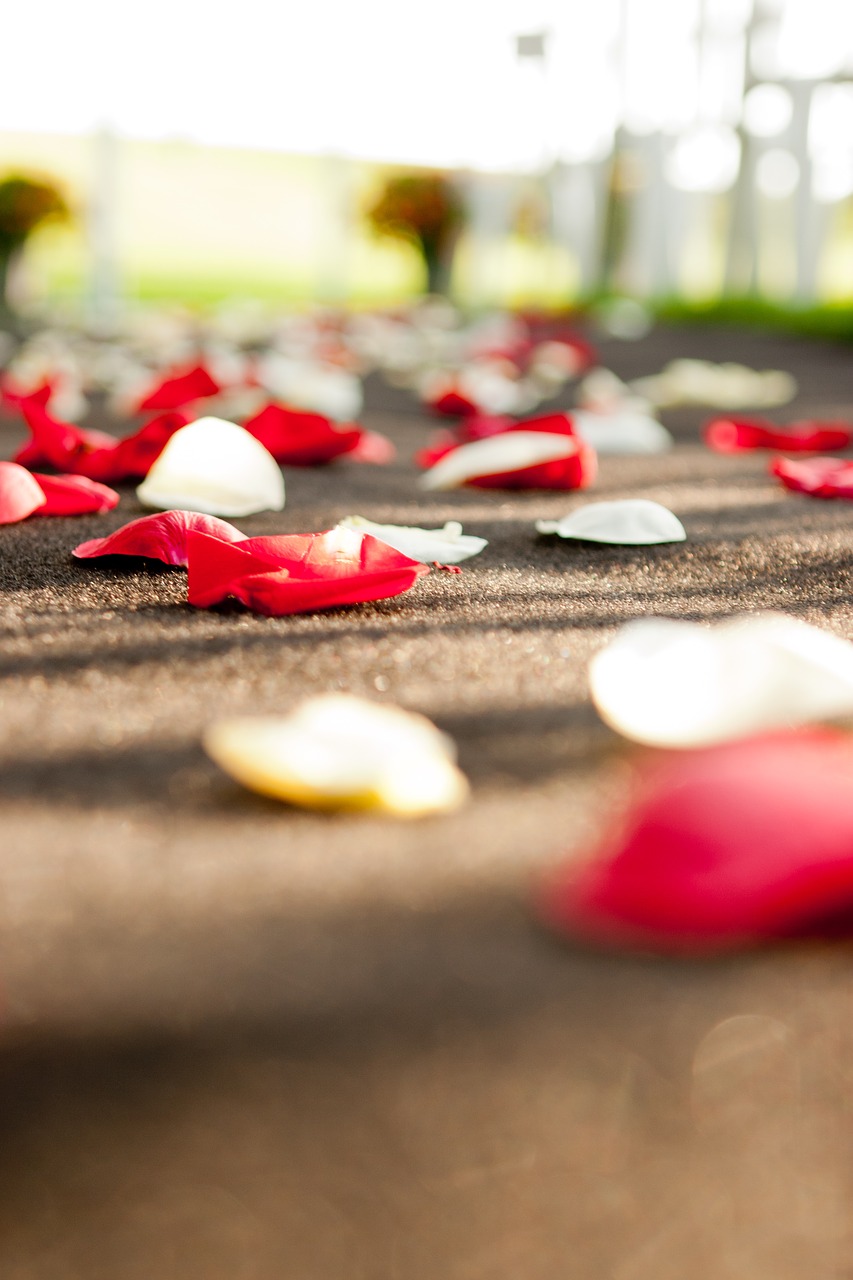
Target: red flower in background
[(733, 435), (819, 477), (724, 847), (301, 439), (176, 390), (158, 537), (296, 573)]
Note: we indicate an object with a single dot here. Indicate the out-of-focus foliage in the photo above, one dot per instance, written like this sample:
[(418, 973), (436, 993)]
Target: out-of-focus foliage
[(420, 207), (26, 203)]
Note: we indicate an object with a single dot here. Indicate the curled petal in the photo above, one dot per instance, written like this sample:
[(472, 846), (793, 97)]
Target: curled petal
[(444, 546), (66, 448), (20, 493), (631, 522), (681, 684), (133, 456), (342, 752), (297, 573), (722, 848), (158, 537), (517, 459), (732, 435), (820, 477), (215, 467), (178, 390), (74, 495)]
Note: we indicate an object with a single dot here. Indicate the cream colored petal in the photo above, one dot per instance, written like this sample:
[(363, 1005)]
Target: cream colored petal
[(683, 684), (622, 432), (339, 751), (631, 522), (214, 467), (511, 451), (448, 545)]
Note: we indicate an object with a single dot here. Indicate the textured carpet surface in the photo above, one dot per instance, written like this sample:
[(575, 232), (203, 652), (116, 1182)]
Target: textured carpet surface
[(243, 1041)]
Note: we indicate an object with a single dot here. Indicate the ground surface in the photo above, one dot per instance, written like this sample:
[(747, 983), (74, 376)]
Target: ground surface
[(241, 1042)]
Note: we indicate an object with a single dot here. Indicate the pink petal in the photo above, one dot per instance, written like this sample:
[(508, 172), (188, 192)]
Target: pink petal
[(20, 493), (159, 537)]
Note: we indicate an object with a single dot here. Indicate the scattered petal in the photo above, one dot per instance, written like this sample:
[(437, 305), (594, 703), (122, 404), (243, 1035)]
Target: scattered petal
[(215, 467), (342, 752), (682, 684), (179, 389), (300, 439), (448, 545), (630, 522), (622, 432), (517, 459), (819, 477), (297, 573), (74, 495), (20, 493), (158, 537), (723, 848), (733, 435)]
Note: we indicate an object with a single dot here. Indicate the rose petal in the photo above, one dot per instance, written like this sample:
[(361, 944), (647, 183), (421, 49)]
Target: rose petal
[(215, 467), (297, 573), (516, 460), (727, 846), (622, 432), (447, 545), (74, 495), (630, 522), (134, 455), (57, 444), (732, 435), (301, 439), (820, 477), (681, 684), (179, 389), (158, 537), (20, 493), (338, 751)]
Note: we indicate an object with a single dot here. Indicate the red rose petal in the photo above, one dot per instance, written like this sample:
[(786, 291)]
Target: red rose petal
[(819, 477), (179, 389), (74, 495), (297, 573), (61, 445), (159, 537), (577, 471), (374, 448), (20, 493), (133, 456), (732, 435), (453, 404), (301, 439), (727, 846), (13, 396)]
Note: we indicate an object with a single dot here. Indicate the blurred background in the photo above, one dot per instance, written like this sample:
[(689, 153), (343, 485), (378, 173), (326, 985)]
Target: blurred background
[(675, 150)]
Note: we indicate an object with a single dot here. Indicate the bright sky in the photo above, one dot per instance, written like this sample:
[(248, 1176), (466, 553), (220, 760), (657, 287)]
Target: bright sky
[(435, 83)]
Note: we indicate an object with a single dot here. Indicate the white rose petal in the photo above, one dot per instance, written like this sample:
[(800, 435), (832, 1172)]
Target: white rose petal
[(448, 545), (214, 467), (632, 522), (622, 432), (339, 751), (682, 684), (509, 451)]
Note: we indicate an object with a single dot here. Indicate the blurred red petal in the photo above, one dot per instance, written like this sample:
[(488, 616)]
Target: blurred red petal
[(159, 537), (20, 493), (453, 404), (375, 448), (300, 439), (134, 456), (725, 847), (732, 435), (179, 389), (74, 495), (819, 477), (13, 396), (576, 471), (61, 445), (297, 573)]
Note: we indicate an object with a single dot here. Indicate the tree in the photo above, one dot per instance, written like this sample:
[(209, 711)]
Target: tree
[(426, 210)]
